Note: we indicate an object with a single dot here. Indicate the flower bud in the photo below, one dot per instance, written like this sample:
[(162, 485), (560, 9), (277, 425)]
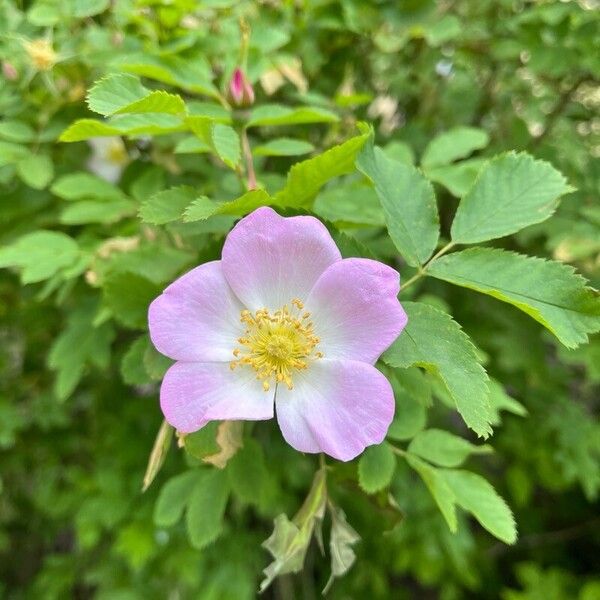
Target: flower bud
[(240, 91)]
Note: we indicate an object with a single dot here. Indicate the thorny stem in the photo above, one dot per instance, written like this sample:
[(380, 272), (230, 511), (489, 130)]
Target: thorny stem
[(251, 175), (423, 270)]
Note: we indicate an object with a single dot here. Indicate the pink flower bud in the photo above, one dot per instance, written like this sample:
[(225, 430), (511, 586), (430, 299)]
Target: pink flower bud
[(9, 71), (240, 93)]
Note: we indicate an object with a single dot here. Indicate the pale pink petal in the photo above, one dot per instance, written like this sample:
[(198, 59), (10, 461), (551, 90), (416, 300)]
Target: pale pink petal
[(197, 318), (192, 394), (337, 407), (269, 260), (355, 310)]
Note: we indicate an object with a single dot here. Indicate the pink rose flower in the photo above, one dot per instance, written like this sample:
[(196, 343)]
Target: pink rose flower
[(281, 324)]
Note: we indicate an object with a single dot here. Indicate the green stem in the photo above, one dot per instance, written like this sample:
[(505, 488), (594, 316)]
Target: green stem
[(423, 270)]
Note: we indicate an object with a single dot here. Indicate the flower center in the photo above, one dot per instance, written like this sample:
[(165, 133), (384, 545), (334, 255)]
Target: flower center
[(275, 345)]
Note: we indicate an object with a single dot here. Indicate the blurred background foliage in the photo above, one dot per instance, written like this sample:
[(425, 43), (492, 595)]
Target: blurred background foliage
[(78, 379)]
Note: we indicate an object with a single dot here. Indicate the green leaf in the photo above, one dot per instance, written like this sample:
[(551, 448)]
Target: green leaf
[(410, 416), (36, 170), (550, 292), (202, 208), (115, 92), (306, 178), (356, 203), (511, 192), (167, 205), (438, 487), (284, 147), (192, 74), (173, 497), (192, 145), (376, 468), (16, 131), (79, 344), (40, 255), (96, 211), (275, 114), (161, 446), (477, 496), (247, 472), (341, 540), (443, 448), (202, 443), (11, 153), (459, 178), (226, 143), (158, 101), (451, 145), (128, 297), (206, 507), (132, 363), (80, 186), (500, 400), (155, 363), (129, 124), (408, 202), (434, 341)]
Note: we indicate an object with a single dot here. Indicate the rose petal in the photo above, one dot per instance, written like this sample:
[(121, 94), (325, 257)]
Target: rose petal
[(197, 318), (337, 407), (192, 394), (355, 309), (269, 260)]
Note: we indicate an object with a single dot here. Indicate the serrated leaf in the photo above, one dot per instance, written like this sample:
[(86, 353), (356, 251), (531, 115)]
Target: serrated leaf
[(283, 147), (376, 468), (511, 192), (202, 208), (155, 363), (206, 507), (167, 205), (477, 496), (161, 446), (443, 448), (290, 539), (276, 114), (550, 292), (36, 170), (341, 540), (129, 124), (306, 178), (157, 101), (439, 489), (434, 341), (408, 202), (40, 255), (114, 92), (81, 186), (453, 144), (85, 129), (173, 497), (247, 472), (226, 143)]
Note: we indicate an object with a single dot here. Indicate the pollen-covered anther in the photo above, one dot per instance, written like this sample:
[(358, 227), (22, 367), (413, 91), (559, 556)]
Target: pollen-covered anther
[(277, 344)]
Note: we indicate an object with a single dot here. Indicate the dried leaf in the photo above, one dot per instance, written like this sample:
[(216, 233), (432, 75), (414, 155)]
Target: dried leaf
[(229, 440), (162, 443)]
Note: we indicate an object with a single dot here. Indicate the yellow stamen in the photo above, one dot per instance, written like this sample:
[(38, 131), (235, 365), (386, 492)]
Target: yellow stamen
[(277, 344)]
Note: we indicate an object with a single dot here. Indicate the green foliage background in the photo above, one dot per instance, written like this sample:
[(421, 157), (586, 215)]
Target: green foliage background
[(446, 86)]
